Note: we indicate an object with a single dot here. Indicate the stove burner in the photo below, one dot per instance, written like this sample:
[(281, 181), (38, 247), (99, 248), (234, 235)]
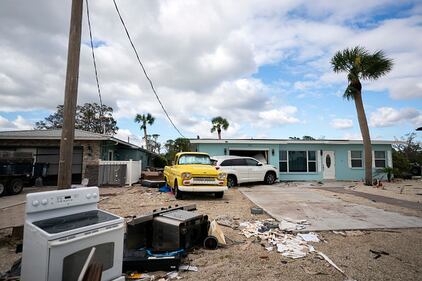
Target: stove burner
[(70, 222)]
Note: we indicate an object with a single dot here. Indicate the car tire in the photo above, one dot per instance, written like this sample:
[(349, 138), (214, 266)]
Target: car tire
[(219, 194), (269, 178), (177, 193), (2, 189), (15, 187), (231, 181)]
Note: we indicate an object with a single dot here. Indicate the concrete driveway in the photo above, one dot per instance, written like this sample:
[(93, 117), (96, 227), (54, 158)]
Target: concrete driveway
[(323, 212)]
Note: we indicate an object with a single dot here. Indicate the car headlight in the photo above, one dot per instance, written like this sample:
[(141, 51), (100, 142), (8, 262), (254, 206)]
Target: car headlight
[(221, 176), (186, 176)]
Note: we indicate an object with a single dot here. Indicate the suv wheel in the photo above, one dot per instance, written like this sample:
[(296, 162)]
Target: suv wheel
[(15, 187), (231, 181), (269, 178), (177, 193)]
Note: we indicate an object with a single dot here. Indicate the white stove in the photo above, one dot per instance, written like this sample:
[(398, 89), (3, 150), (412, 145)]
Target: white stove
[(61, 228)]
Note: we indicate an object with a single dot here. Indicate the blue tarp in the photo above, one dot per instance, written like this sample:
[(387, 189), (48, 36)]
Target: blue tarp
[(164, 188)]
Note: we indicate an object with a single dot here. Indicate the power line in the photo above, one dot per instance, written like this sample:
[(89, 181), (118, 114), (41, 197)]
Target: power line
[(95, 63), (143, 69)]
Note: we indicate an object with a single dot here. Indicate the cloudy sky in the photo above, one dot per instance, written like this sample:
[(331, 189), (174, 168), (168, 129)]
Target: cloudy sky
[(263, 65)]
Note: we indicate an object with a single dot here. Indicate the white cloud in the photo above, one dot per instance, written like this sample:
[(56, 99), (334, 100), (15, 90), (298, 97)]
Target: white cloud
[(127, 135), (342, 123), (388, 116), (202, 56), (19, 123), (281, 116)]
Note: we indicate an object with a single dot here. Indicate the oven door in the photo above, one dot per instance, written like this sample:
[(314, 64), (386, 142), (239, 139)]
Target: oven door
[(68, 255)]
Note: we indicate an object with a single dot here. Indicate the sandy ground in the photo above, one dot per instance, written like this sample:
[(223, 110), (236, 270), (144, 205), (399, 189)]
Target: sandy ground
[(250, 261), (410, 190)]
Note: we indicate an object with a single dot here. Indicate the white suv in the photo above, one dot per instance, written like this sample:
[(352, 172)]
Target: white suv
[(244, 169)]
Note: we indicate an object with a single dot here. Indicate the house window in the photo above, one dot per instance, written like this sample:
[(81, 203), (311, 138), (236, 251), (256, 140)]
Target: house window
[(356, 158), (283, 161), (297, 161), (311, 161), (379, 159)]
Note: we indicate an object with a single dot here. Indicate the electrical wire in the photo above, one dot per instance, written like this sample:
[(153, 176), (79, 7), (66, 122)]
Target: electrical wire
[(94, 61), (143, 69)]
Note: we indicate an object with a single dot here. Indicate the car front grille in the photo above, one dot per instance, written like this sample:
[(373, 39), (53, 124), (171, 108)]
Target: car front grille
[(203, 180)]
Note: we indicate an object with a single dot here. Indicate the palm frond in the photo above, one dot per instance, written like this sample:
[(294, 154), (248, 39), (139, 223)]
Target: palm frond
[(376, 65), (350, 92)]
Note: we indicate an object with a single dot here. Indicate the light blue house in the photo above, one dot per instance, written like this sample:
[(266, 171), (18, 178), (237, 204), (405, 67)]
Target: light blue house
[(298, 160)]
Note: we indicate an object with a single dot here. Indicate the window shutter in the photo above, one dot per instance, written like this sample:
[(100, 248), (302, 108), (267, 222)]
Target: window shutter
[(349, 158), (319, 164), (389, 159), (373, 159)]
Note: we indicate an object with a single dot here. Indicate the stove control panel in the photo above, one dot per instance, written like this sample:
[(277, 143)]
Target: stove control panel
[(50, 200)]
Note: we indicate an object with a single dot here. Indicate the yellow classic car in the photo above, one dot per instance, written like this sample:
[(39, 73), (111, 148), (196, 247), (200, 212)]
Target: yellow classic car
[(193, 172)]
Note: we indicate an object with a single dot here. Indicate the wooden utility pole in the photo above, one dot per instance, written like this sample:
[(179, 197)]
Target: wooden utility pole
[(70, 96)]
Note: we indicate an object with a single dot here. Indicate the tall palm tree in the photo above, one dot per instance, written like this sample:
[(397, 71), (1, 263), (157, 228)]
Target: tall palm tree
[(359, 65), (219, 123), (145, 120)]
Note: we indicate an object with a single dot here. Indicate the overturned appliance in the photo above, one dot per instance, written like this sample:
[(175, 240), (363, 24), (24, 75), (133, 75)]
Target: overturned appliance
[(158, 240), (61, 228)]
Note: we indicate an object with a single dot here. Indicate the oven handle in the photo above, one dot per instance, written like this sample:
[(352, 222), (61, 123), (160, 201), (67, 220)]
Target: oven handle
[(60, 243)]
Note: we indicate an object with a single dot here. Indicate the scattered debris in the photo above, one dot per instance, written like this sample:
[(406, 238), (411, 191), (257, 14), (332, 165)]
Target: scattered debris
[(349, 233), (378, 254), (172, 275), (186, 267), (332, 263), (269, 248), (292, 247), (289, 245), (309, 237), (292, 225), (227, 221), (210, 242), (140, 276), (401, 190), (257, 211), (164, 188), (216, 231)]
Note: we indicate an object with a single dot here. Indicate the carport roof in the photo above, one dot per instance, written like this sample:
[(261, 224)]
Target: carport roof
[(287, 141), (55, 134)]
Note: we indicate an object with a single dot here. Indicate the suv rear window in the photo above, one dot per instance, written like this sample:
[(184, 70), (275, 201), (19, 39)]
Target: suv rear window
[(234, 162), (251, 162)]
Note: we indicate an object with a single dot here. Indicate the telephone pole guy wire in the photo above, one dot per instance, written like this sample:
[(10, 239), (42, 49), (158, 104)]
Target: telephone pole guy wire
[(143, 69), (95, 66)]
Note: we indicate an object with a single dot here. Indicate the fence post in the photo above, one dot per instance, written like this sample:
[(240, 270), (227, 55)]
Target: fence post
[(129, 171)]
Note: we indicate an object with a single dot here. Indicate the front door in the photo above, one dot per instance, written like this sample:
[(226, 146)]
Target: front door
[(329, 164)]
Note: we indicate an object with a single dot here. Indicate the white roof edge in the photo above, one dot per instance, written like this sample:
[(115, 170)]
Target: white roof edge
[(233, 141)]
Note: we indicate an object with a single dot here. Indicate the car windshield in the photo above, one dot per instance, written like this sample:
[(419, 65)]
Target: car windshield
[(194, 159)]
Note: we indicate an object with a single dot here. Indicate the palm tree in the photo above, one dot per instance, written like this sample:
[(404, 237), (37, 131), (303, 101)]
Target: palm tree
[(219, 123), (145, 120), (359, 64)]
